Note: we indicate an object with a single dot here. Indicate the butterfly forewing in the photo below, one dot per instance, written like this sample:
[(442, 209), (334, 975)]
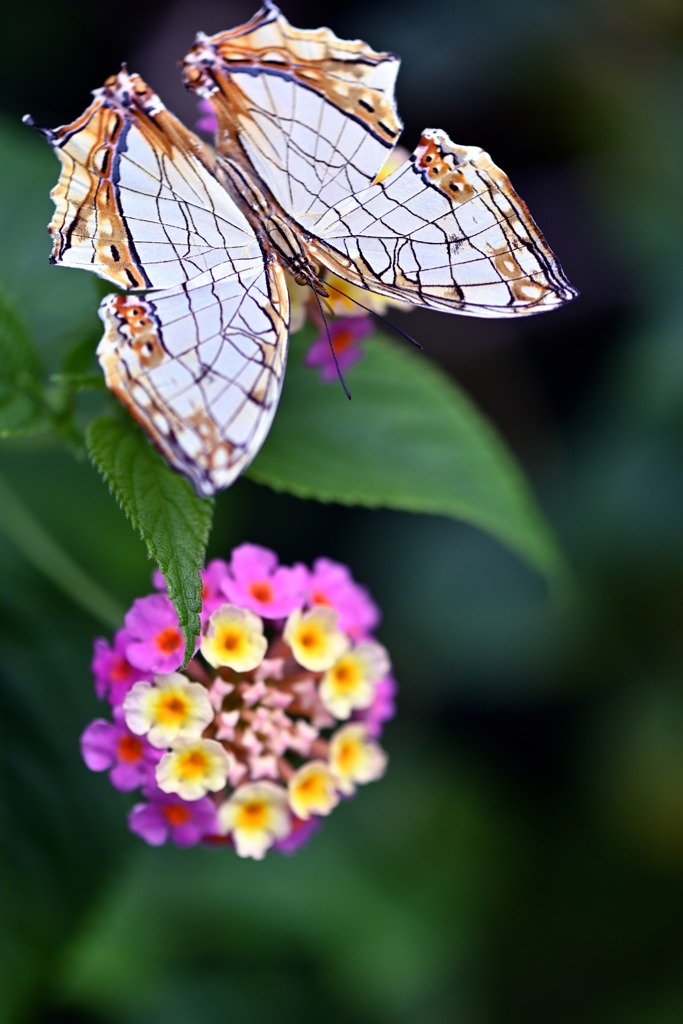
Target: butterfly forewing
[(136, 202), (316, 119), (315, 114)]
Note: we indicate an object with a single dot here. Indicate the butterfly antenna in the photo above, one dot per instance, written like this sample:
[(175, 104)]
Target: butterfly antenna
[(334, 354), (47, 132), (373, 313)]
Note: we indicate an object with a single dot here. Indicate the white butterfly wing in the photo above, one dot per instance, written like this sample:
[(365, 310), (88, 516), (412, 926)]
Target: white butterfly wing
[(200, 366), (445, 230), (314, 114), (198, 360), (316, 118), (137, 202)]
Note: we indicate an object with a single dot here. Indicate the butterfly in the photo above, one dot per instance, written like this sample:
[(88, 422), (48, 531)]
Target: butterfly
[(199, 241)]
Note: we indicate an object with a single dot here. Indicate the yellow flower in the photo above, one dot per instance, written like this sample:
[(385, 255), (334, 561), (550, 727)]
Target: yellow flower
[(354, 758), (234, 637), (171, 709), (342, 295), (349, 683), (313, 790), (314, 638), (193, 768), (257, 815)]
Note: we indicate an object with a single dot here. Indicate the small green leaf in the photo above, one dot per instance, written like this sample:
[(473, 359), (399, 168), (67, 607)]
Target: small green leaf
[(162, 506), (77, 375), (410, 439), (22, 410)]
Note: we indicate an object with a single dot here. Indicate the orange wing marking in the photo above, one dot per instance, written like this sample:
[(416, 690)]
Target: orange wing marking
[(85, 195), (346, 72)]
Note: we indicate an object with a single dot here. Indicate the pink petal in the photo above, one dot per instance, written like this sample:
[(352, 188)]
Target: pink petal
[(149, 615), (147, 821), (125, 777), (302, 832), (251, 561), (98, 745)]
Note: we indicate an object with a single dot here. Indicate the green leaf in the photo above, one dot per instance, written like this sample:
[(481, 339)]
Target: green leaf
[(22, 410), (78, 374), (162, 506), (410, 439)]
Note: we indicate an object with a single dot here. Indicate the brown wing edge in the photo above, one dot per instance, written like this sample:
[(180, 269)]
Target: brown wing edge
[(452, 183)]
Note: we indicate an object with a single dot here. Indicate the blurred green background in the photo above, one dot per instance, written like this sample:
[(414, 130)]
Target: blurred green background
[(523, 858)]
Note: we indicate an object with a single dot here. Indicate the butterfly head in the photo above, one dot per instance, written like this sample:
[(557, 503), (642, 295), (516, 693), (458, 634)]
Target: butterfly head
[(130, 91)]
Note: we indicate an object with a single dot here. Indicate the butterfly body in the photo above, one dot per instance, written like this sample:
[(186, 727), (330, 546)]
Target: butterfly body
[(279, 235), (200, 242)]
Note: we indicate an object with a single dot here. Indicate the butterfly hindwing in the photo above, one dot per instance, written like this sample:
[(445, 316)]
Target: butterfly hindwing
[(445, 230), (314, 114), (200, 367)]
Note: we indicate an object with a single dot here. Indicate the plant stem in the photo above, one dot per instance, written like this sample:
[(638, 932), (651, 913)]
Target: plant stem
[(43, 552)]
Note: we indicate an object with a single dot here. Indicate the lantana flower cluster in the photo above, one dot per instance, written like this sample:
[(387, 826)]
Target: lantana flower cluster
[(275, 719)]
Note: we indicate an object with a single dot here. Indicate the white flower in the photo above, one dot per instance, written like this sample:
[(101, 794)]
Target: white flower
[(171, 709), (354, 758), (256, 815), (315, 640), (234, 637), (313, 790), (350, 682), (193, 768)]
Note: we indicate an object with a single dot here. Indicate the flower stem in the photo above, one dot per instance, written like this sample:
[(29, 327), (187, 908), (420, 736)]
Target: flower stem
[(43, 552)]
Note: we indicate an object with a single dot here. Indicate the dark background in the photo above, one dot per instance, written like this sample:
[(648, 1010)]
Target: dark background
[(523, 858)]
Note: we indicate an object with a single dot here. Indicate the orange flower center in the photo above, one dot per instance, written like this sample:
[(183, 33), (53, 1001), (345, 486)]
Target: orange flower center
[(171, 708), (342, 340), (309, 638), (168, 640), (347, 756), (176, 815), (193, 764), (345, 675), (262, 591), (312, 787), (230, 639), (320, 598), (130, 749), (120, 670), (253, 815)]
